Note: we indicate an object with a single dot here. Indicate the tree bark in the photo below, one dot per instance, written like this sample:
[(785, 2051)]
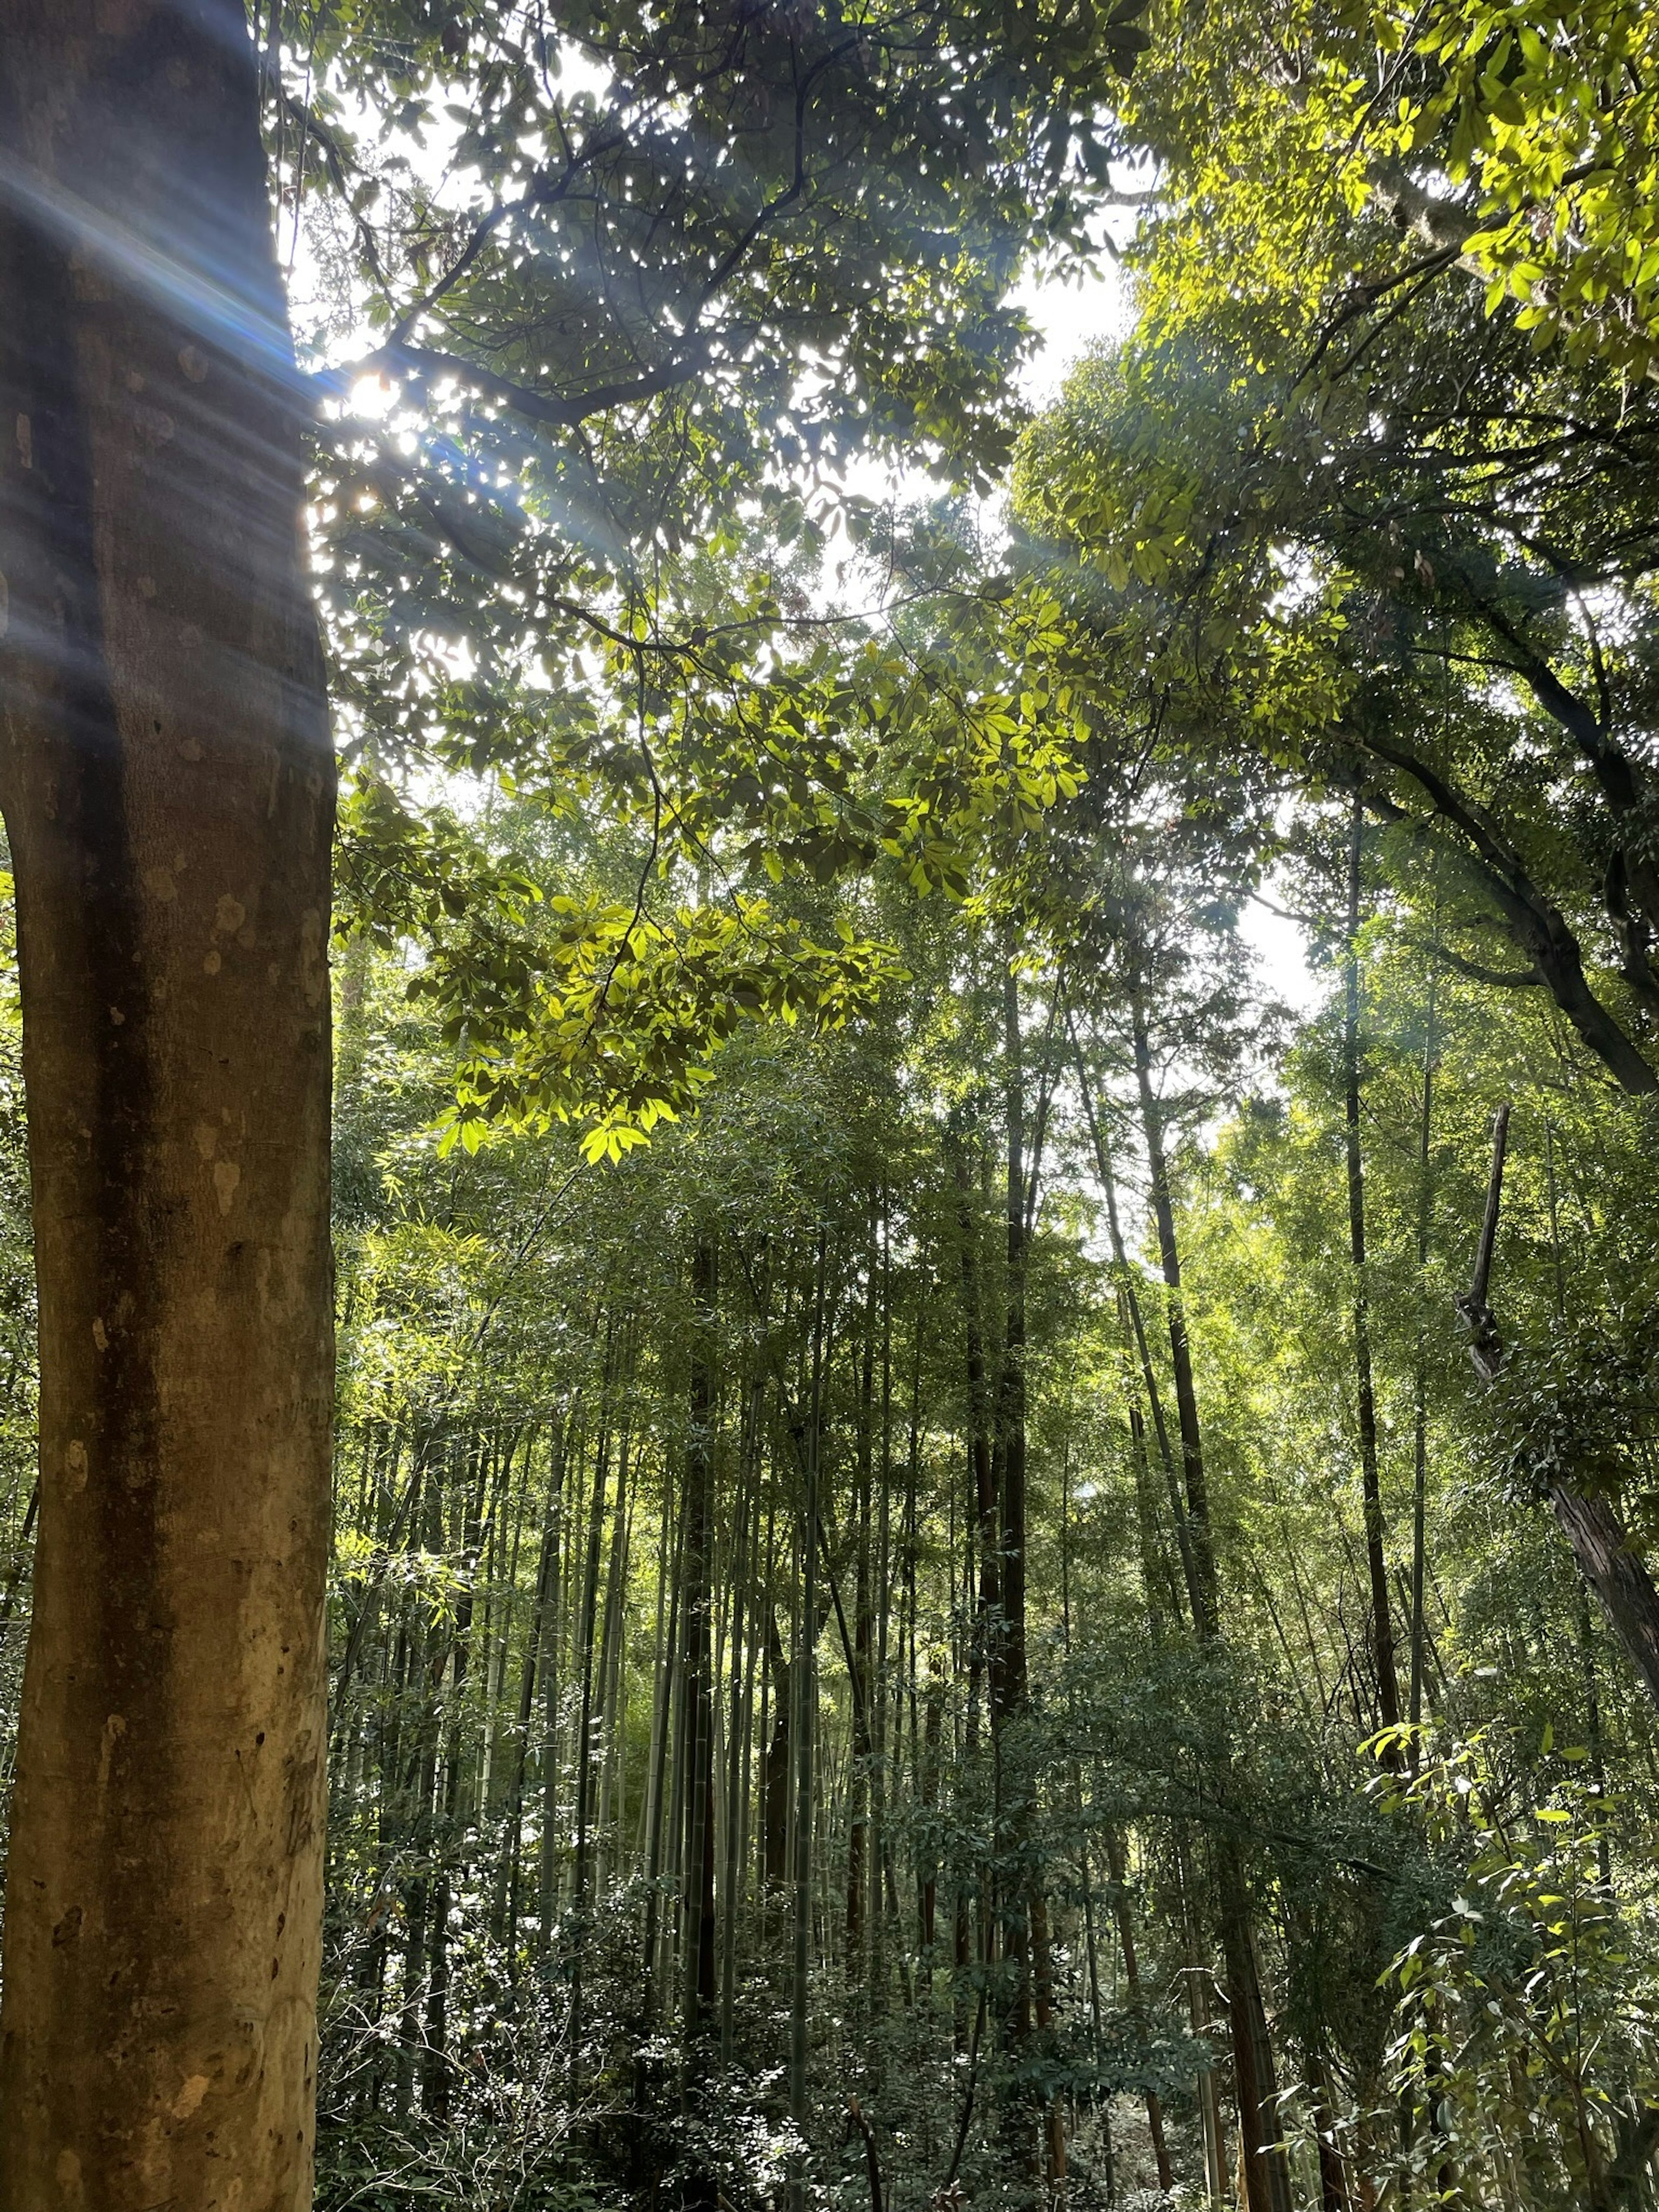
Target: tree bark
[(1117, 1861), (1131, 1298), (1206, 1598), (1388, 1679), (1613, 1571), (1420, 1378), (1266, 2175), (803, 1734), (166, 778), (699, 1927)]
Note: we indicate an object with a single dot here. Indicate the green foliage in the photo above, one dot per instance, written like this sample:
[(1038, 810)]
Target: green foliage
[(1526, 2014)]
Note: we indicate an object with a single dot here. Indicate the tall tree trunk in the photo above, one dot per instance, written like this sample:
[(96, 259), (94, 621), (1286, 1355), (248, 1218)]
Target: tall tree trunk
[(587, 1623), (536, 1640), (1010, 1409), (660, 1782), (881, 1699), (1209, 2101), (166, 778), (568, 1445), (435, 2083), (744, 1648), (1120, 1872), (1200, 1536), (804, 1733), (1387, 1679), (613, 1673), (699, 1928), (1420, 1379), (1266, 2176), (862, 1747), (777, 1762), (987, 1639), (1025, 1919), (1131, 1297)]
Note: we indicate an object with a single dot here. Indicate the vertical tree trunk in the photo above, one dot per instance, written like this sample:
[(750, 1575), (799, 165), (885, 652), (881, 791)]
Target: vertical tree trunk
[(804, 1734), (608, 1851), (1266, 2176), (699, 1926), (1131, 1297), (535, 1647), (777, 1763), (166, 778), (436, 2068), (1026, 1914), (1132, 1982), (928, 1866), (588, 1624), (987, 1638), (660, 1782), (881, 1845), (1420, 1379), (744, 1647), (1387, 1679), (1010, 1410), (568, 1446), (1199, 1536), (1198, 2010), (862, 1748)]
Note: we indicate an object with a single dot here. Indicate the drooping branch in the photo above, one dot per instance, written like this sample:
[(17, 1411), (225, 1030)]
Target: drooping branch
[(1535, 922)]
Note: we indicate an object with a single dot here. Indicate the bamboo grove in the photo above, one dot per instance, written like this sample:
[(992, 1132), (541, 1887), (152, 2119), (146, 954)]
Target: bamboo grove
[(1025, 1829)]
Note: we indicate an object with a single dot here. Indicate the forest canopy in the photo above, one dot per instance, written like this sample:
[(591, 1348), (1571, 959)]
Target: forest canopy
[(995, 1035)]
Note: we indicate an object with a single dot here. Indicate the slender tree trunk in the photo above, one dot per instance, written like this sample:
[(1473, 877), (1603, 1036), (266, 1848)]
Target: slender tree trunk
[(1131, 1982), (1266, 2175), (987, 1638), (1026, 1934), (613, 1676), (1387, 1681), (777, 1765), (1209, 2101), (1200, 1536), (804, 1731), (881, 1699), (436, 2079), (1420, 1406), (1131, 1297), (660, 1782), (568, 1450), (535, 1641), (587, 1627), (167, 779), (699, 1925), (1010, 1411), (858, 1778), (420, 1767), (927, 1871), (1333, 2186), (744, 1646)]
